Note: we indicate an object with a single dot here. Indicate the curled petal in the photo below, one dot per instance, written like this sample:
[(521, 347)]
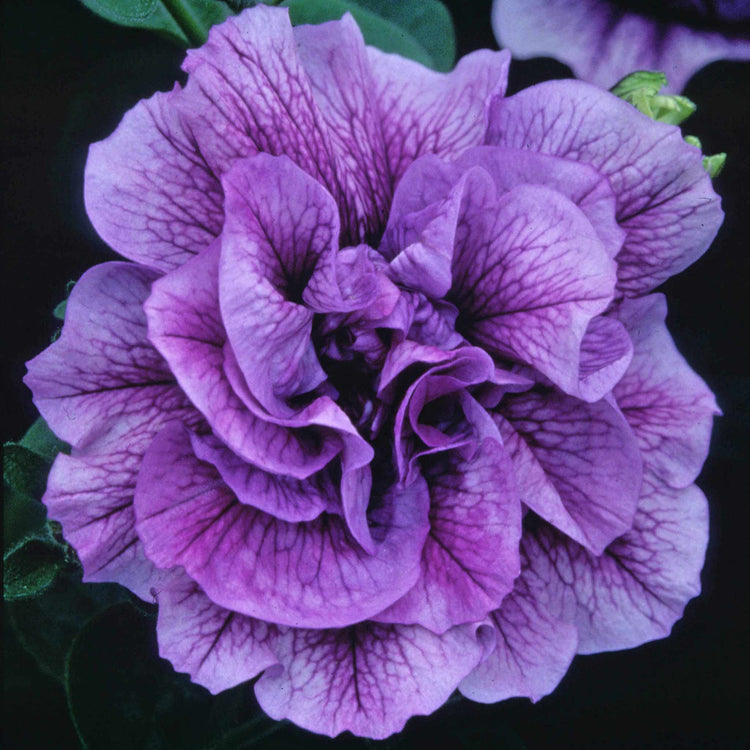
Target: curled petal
[(470, 557), (280, 224), (578, 465), (369, 678), (185, 326), (533, 648), (302, 574), (528, 282), (665, 201)]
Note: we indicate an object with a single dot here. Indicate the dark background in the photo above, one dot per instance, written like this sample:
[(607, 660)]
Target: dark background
[(67, 77)]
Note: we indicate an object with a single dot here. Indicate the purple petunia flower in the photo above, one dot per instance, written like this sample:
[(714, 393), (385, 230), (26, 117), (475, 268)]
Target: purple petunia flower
[(383, 405), (605, 40)]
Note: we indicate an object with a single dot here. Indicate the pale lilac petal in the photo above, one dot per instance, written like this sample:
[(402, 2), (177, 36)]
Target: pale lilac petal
[(91, 494), (149, 192), (283, 497), (184, 325), (606, 352), (528, 282), (577, 464), (603, 43), (424, 112), (639, 587), (247, 93), (669, 408), (216, 647), (587, 188), (301, 574), (280, 224), (533, 648), (470, 558), (368, 679), (335, 61), (665, 201), (103, 367)]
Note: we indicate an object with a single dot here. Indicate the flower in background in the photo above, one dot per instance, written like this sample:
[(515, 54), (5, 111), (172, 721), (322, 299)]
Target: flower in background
[(604, 40), (383, 405)]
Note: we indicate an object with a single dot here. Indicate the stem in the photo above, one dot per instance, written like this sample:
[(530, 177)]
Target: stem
[(193, 29)]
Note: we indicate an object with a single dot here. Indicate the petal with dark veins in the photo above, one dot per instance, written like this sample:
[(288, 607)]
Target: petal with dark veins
[(665, 201), (103, 367), (91, 494), (149, 192), (533, 648), (185, 326), (669, 408), (216, 647), (602, 43), (578, 465), (310, 574), (335, 62), (283, 497), (280, 224), (529, 274), (638, 588), (424, 112), (368, 679), (470, 558)]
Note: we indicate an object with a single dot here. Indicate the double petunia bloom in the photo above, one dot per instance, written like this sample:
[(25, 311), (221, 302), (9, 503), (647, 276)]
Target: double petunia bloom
[(383, 405)]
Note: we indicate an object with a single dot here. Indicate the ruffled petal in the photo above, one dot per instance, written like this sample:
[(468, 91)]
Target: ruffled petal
[(578, 465), (470, 558), (529, 274), (336, 63), (665, 201), (248, 92), (424, 112), (149, 192), (216, 647), (283, 497), (669, 408), (533, 648), (280, 224), (91, 494), (368, 679), (305, 574), (103, 367), (639, 587), (185, 326)]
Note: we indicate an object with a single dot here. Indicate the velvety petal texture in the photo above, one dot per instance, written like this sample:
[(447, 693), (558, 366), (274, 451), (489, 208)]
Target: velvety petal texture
[(603, 41), (380, 408)]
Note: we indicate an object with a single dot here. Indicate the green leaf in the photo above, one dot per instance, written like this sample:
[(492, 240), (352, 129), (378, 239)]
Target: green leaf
[(428, 22), (184, 21), (41, 440), (31, 566), (377, 31), (47, 625)]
